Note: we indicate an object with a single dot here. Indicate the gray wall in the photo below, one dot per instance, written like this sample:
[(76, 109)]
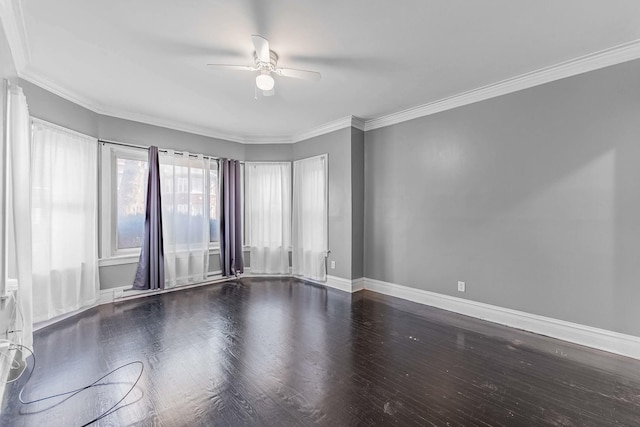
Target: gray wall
[(337, 145), (357, 203), (343, 228), (55, 109), (345, 150), (115, 276), (531, 198), (268, 152), (115, 129), (52, 108)]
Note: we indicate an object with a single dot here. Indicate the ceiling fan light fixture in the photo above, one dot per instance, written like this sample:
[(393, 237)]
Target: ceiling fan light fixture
[(264, 81), (266, 63)]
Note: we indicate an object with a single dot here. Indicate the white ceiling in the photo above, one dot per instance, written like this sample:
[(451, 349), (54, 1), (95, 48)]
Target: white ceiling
[(146, 58)]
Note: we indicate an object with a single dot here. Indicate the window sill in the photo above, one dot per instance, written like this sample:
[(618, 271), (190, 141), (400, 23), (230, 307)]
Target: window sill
[(118, 260)]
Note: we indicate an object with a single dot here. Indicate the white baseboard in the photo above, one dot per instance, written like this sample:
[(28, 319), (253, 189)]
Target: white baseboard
[(602, 339), (331, 282), (338, 283), (45, 323), (346, 285), (357, 284), (614, 342), (108, 296), (127, 293)]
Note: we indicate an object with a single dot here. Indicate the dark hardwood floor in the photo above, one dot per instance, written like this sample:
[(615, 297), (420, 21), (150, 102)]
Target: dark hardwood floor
[(282, 352)]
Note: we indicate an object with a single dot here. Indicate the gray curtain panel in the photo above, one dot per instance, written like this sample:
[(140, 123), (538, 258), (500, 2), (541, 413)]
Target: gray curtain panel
[(231, 260), (150, 273)]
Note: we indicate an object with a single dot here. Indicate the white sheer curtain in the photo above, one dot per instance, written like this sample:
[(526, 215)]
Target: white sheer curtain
[(184, 191), (18, 199), (268, 216), (310, 217), (64, 220)]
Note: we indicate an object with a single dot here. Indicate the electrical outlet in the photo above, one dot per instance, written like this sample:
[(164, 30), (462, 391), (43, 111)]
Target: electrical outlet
[(462, 287), (333, 265), (118, 293)]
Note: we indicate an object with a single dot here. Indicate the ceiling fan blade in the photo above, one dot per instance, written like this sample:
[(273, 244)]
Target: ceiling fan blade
[(232, 67), (262, 48), (269, 92), (299, 74)]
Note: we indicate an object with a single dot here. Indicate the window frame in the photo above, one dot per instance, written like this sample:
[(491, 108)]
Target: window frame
[(108, 197), (214, 247), (109, 203)]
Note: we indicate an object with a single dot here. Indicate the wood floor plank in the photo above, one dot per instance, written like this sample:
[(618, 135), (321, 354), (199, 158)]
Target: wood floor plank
[(284, 352)]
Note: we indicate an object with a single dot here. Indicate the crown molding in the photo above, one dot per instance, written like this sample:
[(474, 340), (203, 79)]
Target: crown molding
[(332, 126), (90, 105), (13, 23), (601, 59), (170, 124), (56, 89), (357, 123), (344, 122), (255, 139), (604, 58)]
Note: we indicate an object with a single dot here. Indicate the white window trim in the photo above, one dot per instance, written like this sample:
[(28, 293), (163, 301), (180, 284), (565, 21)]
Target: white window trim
[(214, 247), (108, 195), (119, 260), (109, 254)]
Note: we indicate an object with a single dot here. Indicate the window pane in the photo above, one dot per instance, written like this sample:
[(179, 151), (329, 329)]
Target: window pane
[(131, 190), (214, 231)]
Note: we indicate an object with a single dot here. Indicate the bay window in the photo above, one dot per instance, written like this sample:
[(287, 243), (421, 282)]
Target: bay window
[(123, 176)]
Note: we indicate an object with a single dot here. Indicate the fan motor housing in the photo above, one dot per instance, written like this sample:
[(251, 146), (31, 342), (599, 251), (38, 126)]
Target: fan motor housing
[(271, 65)]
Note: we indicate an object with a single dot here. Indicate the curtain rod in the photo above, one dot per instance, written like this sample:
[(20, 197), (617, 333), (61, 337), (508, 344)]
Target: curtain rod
[(162, 150)]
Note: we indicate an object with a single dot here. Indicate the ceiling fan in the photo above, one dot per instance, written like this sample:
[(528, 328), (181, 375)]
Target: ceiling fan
[(266, 63)]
